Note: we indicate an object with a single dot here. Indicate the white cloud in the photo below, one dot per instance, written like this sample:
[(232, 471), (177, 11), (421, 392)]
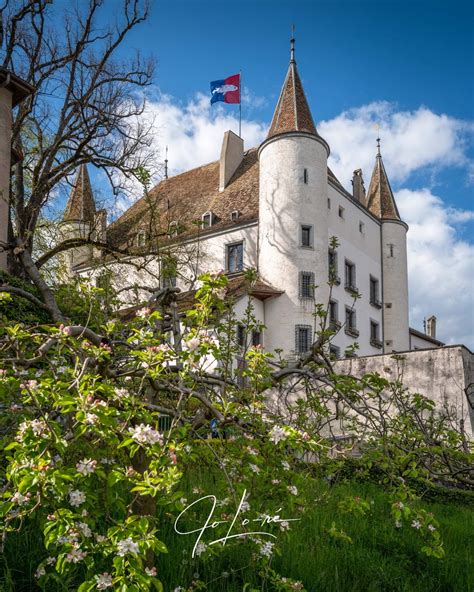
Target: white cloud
[(193, 132), (440, 265), (411, 140)]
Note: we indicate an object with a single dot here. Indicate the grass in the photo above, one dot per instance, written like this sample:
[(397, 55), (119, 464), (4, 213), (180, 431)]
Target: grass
[(380, 559)]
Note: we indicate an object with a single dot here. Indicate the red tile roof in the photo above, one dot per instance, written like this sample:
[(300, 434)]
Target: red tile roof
[(380, 200), (292, 112), (81, 204)]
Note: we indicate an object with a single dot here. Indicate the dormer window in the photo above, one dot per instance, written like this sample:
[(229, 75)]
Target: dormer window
[(173, 228), (141, 238), (235, 215), (207, 219)]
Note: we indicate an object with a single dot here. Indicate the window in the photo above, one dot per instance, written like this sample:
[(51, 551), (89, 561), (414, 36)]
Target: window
[(241, 336), (207, 219), (351, 328), (350, 275), (306, 238), (332, 266), (333, 314), (341, 212), (361, 227), (256, 338), (302, 338), (305, 176), (329, 203), (234, 216), (334, 352), (374, 292), (173, 228), (235, 257), (141, 238), (306, 284), (390, 248), (375, 334)]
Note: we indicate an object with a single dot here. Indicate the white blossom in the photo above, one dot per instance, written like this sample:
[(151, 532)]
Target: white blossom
[(75, 555), (121, 393), (20, 499), (86, 466), (285, 465), (292, 489), (127, 546), (284, 525), (100, 538), (91, 418), (416, 524), (266, 549), (76, 498), (245, 507), (104, 581), (37, 426), (398, 524), (145, 434), (193, 343), (39, 572), (85, 529), (150, 571), (200, 548), (277, 434), (431, 528), (51, 560), (254, 468)]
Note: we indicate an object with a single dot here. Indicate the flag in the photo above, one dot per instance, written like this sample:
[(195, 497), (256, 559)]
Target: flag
[(227, 90)]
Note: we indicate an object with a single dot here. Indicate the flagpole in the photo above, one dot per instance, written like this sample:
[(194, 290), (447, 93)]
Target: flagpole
[(240, 104)]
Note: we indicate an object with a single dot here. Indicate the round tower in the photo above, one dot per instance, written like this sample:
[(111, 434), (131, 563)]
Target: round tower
[(79, 220), (293, 218), (381, 202)]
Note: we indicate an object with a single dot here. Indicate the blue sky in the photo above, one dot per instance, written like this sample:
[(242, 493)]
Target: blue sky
[(407, 66)]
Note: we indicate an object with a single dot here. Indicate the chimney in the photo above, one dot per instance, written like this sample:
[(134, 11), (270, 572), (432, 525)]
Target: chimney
[(231, 156), (431, 327), (358, 189), (13, 90)]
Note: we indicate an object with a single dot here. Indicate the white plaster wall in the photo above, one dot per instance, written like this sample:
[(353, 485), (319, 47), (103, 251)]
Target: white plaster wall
[(417, 342), (285, 203), (364, 250), (5, 156), (395, 286), (441, 374)]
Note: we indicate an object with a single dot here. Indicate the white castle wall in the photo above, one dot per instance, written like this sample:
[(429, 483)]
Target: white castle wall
[(395, 286), (362, 247), (285, 203)]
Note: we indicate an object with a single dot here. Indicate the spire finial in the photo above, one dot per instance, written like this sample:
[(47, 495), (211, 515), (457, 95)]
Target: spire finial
[(292, 45), (166, 163), (378, 147)]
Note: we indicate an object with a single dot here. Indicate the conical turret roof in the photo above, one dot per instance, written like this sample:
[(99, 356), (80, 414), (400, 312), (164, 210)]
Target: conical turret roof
[(292, 113), (81, 204), (380, 200)]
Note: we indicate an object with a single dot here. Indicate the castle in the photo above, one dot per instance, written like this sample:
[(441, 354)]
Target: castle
[(275, 208)]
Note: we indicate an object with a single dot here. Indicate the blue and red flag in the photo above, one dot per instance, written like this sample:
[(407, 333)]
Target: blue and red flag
[(227, 90)]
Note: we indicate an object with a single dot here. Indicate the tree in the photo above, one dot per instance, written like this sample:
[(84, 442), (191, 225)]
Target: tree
[(86, 108), (103, 424)]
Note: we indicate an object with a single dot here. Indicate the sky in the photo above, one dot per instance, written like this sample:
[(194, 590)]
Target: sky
[(406, 67)]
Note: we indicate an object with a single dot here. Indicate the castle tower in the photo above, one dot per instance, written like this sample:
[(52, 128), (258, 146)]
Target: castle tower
[(80, 219), (381, 203), (293, 219), (13, 91)]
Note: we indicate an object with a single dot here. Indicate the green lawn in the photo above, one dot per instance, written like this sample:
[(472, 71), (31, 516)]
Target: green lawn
[(380, 559)]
